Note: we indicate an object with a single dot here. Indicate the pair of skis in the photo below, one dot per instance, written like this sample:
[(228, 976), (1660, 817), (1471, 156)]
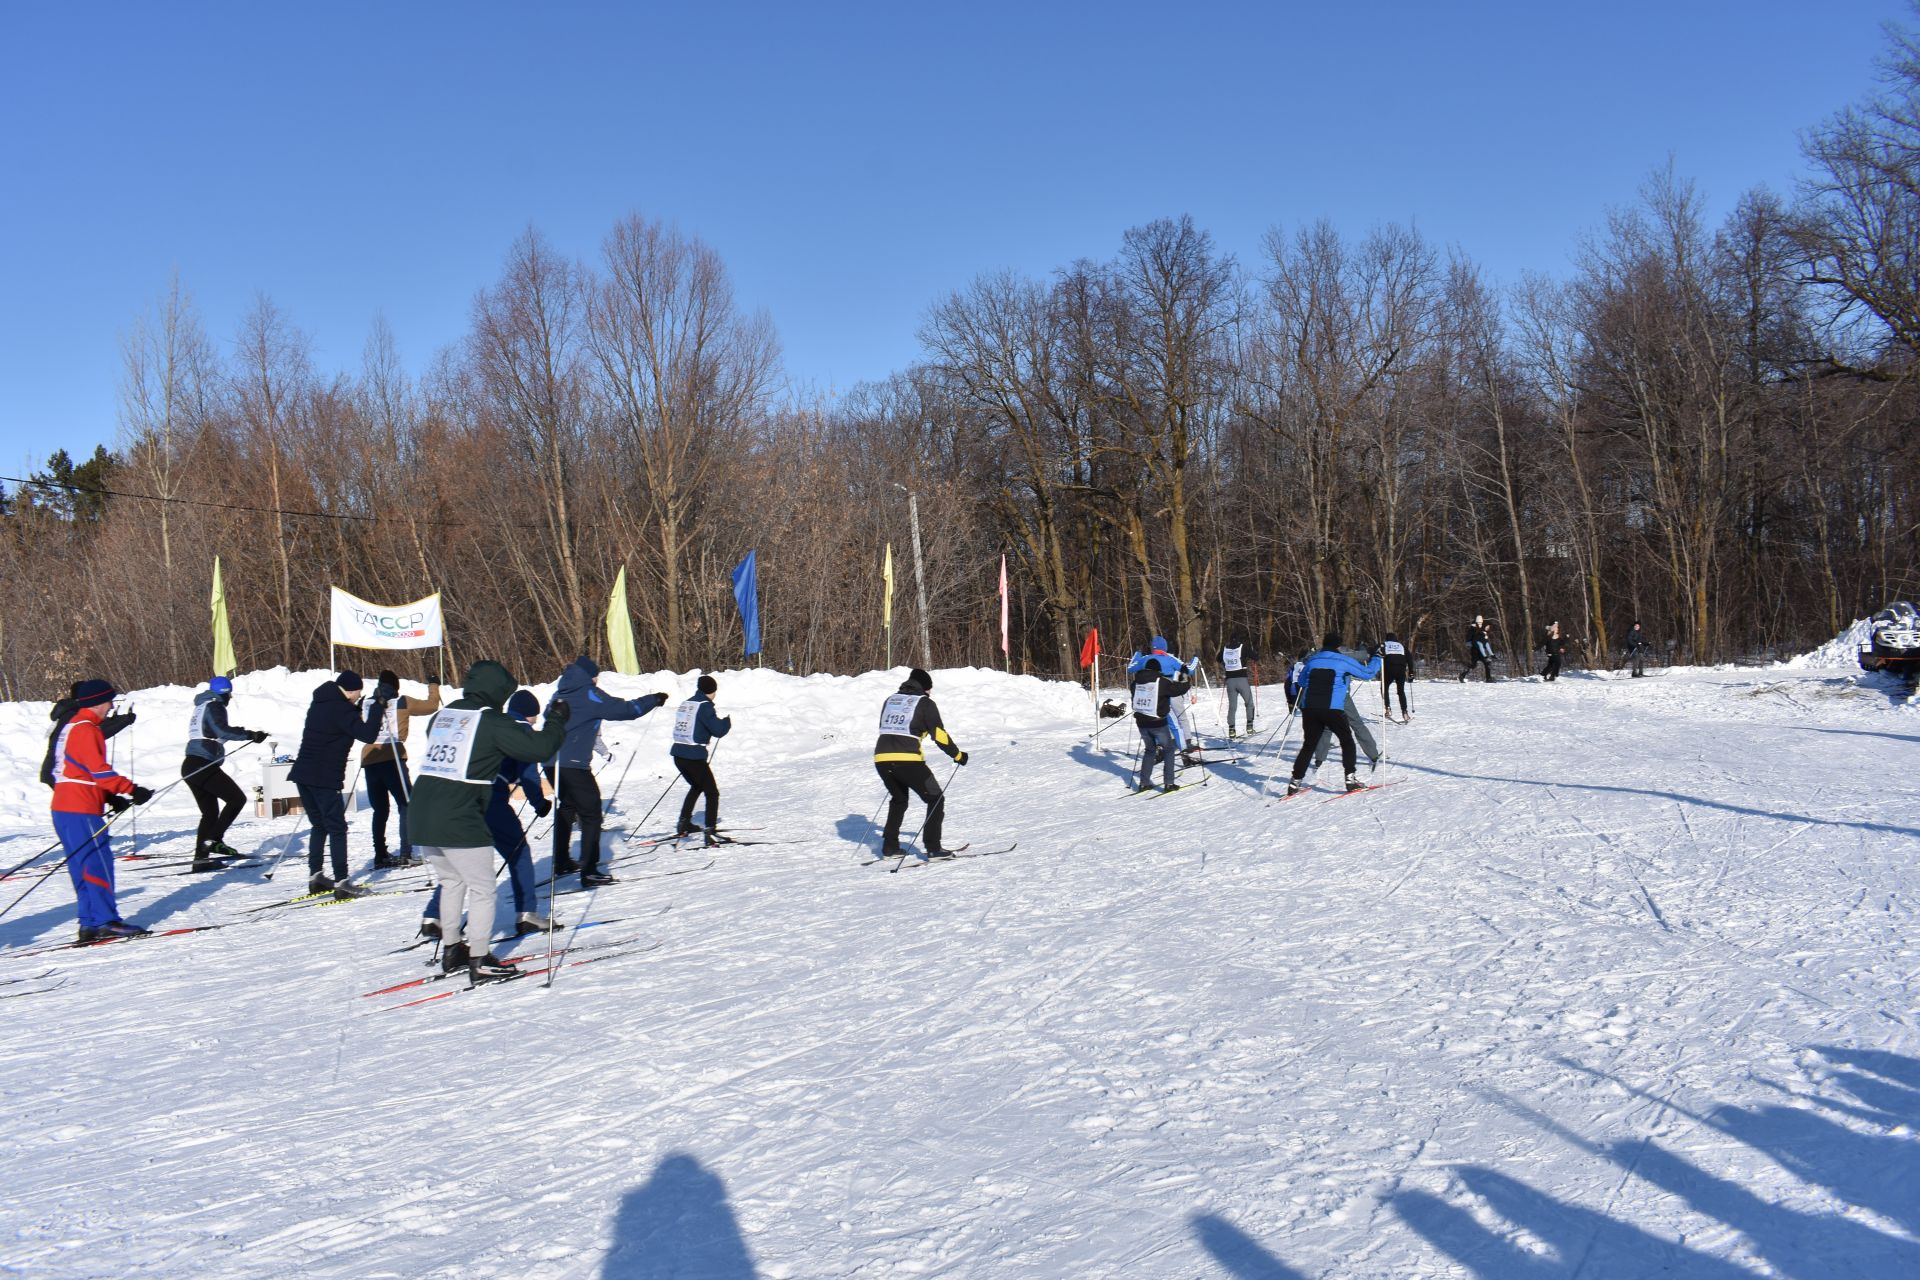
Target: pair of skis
[(906, 858)]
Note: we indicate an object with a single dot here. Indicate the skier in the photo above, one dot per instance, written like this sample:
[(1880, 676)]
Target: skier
[(906, 717), (1242, 672), (85, 784), (577, 790), (1479, 649), (1179, 713), (219, 796), (1637, 646), (1295, 674), (1362, 735), (1155, 691), (695, 724), (509, 837), (384, 765), (1399, 665), (1322, 696), (334, 724), (468, 743), (1555, 648)]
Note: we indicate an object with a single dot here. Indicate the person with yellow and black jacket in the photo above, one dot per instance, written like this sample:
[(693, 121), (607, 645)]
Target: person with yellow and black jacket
[(906, 718), (383, 763)]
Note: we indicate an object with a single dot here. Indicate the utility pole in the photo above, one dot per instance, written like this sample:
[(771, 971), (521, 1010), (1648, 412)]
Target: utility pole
[(919, 576)]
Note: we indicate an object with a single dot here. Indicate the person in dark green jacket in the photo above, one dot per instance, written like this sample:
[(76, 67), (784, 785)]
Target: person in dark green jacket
[(466, 741)]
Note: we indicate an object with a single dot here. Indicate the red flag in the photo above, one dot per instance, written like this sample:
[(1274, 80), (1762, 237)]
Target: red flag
[(1091, 648)]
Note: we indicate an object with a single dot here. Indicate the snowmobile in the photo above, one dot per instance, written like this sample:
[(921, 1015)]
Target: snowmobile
[(1894, 643)]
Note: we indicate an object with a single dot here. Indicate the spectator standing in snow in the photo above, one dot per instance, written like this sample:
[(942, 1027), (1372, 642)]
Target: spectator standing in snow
[(384, 764), (578, 790), (219, 796), (1637, 646), (1479, 649), (1242, 671), (1555, 648), (84, 786), (1155, 693), (696, 724), (1399, 666), (906, 717), (1323, 695), (334, 724)]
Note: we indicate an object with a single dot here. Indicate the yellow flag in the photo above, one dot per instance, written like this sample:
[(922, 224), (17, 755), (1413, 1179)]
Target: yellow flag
[(223, 663), (886, 575), (620, 630)]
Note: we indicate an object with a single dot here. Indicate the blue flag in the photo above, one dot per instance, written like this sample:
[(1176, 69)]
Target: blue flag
[(746, 593)]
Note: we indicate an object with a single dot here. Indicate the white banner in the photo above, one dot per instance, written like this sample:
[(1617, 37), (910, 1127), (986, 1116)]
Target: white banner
[(363, 625)]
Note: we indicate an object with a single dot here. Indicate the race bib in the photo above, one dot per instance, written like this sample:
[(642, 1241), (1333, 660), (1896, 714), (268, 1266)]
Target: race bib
[(1146, 698), (1393, 648), (449, 751), (684, 721), (388, 722), (896, 714), (197, 722), (1230, 658)]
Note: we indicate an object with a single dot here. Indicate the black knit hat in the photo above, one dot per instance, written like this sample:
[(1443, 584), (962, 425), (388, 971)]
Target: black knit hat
[(707, 685), (350, 681), (1332, 641), (921, 678)]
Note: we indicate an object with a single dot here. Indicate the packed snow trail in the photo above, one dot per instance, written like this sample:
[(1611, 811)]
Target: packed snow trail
[(1615, 980)]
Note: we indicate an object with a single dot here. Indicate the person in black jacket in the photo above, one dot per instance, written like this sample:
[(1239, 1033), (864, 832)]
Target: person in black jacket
[(1479, 649), (1399, 665), (1555, 648), (334, 724), (695, 725), (1153, 689), (1637, 646), (906, 718)]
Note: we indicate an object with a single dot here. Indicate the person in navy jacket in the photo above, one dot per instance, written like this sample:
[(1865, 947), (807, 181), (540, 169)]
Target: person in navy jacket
[(695, 725), (579, 792), (1323, 699), (334, 723)]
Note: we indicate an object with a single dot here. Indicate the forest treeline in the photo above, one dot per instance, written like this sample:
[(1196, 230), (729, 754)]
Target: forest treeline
[(1708, 428)]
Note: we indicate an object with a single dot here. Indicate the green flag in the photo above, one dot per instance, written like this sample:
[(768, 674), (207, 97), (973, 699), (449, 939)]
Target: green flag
[(223, 663), (620, 650)]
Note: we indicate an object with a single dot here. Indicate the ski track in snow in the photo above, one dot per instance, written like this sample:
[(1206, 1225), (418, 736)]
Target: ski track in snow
[(1616, 982)]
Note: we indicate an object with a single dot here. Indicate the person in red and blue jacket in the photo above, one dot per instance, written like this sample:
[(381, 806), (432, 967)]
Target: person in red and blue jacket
[(85, 786)]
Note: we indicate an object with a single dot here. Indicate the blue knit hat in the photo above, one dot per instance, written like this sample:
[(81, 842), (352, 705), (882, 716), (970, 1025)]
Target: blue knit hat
[(523, 704), (1159, 642), (94, 693)]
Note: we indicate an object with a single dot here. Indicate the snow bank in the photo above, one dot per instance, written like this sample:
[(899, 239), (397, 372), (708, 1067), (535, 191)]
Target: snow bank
[(1841, 651)]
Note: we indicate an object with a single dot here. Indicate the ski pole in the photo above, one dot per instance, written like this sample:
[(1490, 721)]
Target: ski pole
[(928, 815)]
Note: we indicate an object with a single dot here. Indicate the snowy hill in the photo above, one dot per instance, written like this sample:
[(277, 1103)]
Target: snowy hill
[(1615, 980)]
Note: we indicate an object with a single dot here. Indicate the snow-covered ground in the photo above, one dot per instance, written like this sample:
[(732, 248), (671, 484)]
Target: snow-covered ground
[(1614, 981)]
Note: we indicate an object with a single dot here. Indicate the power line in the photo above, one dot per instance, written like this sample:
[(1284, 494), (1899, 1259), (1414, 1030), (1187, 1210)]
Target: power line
[(103, 492)]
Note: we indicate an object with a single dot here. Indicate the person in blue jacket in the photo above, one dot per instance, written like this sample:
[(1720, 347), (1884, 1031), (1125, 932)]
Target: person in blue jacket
[(696, 724), (579, 792), (1323, 698), (219, 797), (509, 837)]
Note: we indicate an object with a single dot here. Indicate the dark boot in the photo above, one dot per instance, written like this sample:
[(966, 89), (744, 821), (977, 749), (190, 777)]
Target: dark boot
[(454, 958)]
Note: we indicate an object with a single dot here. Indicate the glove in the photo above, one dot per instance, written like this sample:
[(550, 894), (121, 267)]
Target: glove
[(559, 712), (661, 699), (961, 758), (142, 794), (541, 808), (117, 803), (258, 735)]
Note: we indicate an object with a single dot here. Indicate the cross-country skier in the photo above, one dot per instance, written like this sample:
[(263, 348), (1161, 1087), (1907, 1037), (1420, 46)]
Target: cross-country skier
[(695, 724), (578, 791), (1155, 690), (1357, 721), (1179, 713), (334, 724), (1479, 649), (509, 837), (1295, 674), (905, 718), (384, 765), (1637, 646), (1322, 695), (1242, 670), (1555, 648), (468, 742), (84, 785), (1399, 665), (219, 796)]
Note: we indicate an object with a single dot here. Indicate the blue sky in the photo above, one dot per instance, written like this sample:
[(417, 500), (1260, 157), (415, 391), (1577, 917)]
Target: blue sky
[(851, 162)]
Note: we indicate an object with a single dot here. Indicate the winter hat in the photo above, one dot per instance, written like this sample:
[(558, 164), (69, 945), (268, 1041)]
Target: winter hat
[(93, 693), (1159, 642), (350, 681), (523, 704), (389, 679), (1332, 640), (588, 665), (220, 685), (921, 678), (1392, 636), (707, 685)]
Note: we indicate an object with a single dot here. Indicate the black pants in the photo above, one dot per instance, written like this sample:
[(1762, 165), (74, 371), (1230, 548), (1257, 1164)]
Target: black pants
[(327, 810), (1387, 689), (387, 789), (902, 777), (1312, 725), (579, 800), (1553, 666), (1478, 660), (699, 776), (219, 797), (1639, 659)]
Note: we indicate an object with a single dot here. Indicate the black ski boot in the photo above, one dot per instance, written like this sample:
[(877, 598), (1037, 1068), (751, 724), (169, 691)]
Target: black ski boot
[(595, 879), (347, 889), (318, 885), (454, 958), (1354, 783), (489, 968), (429, 927)]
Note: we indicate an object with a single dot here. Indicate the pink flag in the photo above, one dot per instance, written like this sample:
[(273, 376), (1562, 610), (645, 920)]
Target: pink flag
[(1003, 606)]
